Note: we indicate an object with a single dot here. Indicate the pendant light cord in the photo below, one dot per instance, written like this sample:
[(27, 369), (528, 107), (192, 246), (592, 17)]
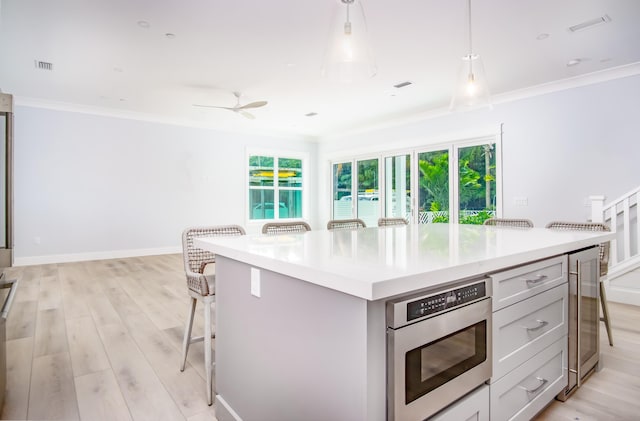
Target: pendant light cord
[(470, 44)]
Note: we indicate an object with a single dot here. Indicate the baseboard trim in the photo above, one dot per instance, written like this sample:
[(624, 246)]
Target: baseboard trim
[(623, 295), (99, 255), (224, 412)]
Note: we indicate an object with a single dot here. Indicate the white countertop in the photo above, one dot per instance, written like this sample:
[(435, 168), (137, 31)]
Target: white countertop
[(376, 263)]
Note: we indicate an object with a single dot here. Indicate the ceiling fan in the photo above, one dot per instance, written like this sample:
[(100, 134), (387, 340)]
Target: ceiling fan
[(240, 109)]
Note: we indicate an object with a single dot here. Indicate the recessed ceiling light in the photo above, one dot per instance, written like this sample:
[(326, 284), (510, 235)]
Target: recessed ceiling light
[(604, 60), (143, 24), (122, 99), (590, 23), (291, 65), (574, 62), (169, 35), (311, 114), (118, 69), (542, 36)]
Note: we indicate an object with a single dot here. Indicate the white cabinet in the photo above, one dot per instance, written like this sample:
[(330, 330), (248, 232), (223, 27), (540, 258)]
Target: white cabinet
[(527, 389), (529, 331), (527, 327), (472, 407), (514, 285)]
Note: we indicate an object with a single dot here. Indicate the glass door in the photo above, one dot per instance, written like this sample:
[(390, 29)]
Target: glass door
[(368, 204), (433, 186), (342, 191), (476, 183), (397, 186)]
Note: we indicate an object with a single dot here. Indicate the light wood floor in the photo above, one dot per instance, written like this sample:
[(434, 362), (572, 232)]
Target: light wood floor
[(101, 340)]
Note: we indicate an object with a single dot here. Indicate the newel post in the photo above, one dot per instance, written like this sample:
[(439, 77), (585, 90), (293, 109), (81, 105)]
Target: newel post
[(597, 208)]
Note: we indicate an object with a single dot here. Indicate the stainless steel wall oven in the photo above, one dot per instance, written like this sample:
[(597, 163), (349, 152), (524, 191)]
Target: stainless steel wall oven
[(438, 348)]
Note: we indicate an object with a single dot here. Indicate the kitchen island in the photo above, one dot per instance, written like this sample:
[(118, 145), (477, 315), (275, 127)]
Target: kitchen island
[(300, 318)]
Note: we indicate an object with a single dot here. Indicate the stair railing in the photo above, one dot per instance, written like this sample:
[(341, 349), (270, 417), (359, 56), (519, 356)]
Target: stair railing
[(622, 216)]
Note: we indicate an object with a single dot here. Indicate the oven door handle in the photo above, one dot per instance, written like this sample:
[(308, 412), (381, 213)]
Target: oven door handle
[(542, 384)]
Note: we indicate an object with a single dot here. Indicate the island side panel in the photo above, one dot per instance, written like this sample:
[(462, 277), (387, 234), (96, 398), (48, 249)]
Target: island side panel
[(299, 352)]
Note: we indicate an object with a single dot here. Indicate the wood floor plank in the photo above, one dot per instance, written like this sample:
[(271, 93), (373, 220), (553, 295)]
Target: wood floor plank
[(122, 303), (53, 394), (19, 360), (187, 388), (143, 391), (50, 293), (100, 398), (51, 333), (204, 416), (22, 320), (102, 310), (85, 347)]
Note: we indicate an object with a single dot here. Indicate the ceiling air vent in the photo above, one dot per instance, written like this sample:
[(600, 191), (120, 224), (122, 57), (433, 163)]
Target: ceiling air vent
[(590, 23), (43, 65), (402, 84)]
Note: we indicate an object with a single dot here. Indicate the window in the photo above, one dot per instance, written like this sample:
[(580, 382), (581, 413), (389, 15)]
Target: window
[(457, 182), (275, 187)]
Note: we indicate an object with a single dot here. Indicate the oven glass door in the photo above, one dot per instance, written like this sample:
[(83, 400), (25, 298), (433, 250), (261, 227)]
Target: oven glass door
[(434, 364)]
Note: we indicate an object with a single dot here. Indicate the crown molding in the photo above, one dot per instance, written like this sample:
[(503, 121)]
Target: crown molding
[(601, 76), (150, 118)]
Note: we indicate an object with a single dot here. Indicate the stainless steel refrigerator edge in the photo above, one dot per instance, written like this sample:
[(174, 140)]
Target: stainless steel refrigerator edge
[(584, 317), (6, 180)]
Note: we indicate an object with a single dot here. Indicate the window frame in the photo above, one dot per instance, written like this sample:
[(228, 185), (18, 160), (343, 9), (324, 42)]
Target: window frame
[(452, 146), (276, 188)]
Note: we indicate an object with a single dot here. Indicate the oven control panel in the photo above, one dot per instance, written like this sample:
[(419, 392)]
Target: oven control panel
[(437, 303)]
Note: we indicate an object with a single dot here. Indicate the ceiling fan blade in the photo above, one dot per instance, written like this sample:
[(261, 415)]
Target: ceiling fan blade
[(213, 106), (256, 104), (247, 115)]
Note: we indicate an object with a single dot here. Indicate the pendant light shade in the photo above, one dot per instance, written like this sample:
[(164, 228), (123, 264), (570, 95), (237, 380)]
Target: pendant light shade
[(349, 56), (472, 90)]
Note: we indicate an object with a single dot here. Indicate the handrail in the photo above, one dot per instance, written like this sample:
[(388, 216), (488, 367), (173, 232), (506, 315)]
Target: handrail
[(617, 214)]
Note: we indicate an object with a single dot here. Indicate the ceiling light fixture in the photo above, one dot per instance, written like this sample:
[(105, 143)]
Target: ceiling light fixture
[(143, 24), (472, 90), (349, 56)]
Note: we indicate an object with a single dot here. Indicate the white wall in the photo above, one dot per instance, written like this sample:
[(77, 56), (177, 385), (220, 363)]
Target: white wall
[(90, 186), (558, 148)]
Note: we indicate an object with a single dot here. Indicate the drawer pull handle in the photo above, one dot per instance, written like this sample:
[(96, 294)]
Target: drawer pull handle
[(541, 324), (538, 278), (542, 384)]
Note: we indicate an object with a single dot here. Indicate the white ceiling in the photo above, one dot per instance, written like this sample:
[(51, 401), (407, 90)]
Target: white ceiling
[(273, 50)]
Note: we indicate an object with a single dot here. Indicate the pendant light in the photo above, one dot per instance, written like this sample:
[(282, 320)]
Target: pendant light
[(349, 56), (472, 90)]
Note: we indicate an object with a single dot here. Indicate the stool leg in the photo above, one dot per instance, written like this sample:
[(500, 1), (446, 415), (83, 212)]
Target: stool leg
[(187, 332), (605, 312), (208, 364)]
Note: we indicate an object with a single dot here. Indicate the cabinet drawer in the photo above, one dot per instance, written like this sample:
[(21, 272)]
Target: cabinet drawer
[(473, 407), (526, 390), (525, 328), (517, 284)]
